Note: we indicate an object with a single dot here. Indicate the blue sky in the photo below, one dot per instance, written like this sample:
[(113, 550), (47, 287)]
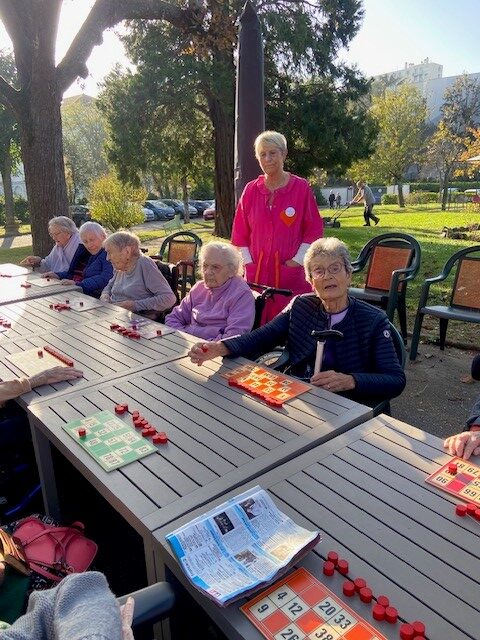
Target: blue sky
[(399, 31)]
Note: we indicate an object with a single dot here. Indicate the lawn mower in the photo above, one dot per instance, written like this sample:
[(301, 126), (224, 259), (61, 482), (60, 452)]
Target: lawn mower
[(332, 222)]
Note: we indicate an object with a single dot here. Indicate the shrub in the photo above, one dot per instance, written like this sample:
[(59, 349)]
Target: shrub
[(390, 198), (115, 205), (434, 186), (421, 197), (21, 212)]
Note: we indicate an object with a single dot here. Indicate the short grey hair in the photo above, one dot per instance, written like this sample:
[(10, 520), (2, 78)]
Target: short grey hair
[(271, 137), (92, 227), (64, 223), (329, 248), (123, 239), (231, 254)]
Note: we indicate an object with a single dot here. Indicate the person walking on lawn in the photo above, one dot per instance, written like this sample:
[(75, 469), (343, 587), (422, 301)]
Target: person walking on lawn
[(365, 194)]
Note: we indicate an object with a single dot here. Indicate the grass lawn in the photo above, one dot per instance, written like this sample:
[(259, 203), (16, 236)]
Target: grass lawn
[(425, 223)]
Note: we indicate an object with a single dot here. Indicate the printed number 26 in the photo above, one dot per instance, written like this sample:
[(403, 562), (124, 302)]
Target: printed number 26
[(289, 634)]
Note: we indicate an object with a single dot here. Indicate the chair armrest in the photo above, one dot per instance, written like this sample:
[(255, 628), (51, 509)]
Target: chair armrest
[(151, 603), (282, 361)]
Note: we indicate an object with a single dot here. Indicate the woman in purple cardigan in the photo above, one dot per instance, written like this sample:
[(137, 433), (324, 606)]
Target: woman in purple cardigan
[(221, 305)]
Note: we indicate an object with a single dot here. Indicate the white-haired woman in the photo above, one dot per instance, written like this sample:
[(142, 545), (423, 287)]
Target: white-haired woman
[(362, 366), (64, 233), (89, 269), (137, 284), (222, 304), (276, 220)]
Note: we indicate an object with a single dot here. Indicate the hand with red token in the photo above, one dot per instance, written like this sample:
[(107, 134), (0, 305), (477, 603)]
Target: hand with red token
[(203, 351), (463, 444)]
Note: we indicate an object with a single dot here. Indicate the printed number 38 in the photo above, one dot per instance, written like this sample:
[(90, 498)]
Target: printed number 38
[(323, 634)]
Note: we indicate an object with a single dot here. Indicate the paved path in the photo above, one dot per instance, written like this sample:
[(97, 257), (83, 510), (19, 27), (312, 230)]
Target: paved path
[(12, 242)]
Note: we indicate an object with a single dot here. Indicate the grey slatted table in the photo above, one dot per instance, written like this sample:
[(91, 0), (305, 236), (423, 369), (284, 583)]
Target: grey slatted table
[(34, 316), (365, 490), (218, 437), (99, 352), (11, 289)]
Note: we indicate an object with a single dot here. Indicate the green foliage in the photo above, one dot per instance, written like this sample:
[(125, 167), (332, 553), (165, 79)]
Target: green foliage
[(389, 198), (20, 208), (116, 205), (400, 115), (435, 186), (420, 197), (83, 141), (319, 197)]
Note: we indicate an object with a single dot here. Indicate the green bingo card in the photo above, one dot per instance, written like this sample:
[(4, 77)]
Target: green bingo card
[(110, 441)]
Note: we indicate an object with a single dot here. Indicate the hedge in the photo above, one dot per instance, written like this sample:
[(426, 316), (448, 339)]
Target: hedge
[(435, 186), (20, 210)]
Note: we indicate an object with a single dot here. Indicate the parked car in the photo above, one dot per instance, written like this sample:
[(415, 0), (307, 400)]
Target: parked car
[(200, 205), (160, 210), (209, 213), (149, 215), (179, 208), (80, 213)]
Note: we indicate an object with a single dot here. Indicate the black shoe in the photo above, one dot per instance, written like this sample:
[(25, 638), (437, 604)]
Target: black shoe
[(377, 221), (367, 224)]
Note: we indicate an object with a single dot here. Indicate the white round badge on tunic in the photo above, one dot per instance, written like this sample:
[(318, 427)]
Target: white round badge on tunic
[(290, 212), (386, 333)]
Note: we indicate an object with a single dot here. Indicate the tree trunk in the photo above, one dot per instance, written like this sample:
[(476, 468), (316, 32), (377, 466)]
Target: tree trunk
[(42, 155), (11, 227), (401, 199), (186, 210), (444, 190)]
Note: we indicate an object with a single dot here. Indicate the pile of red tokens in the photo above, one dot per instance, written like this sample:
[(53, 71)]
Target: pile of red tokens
[(60, 306), (56, 354), (470, 509), (5, 323), (381, 610), (139, 422), (256, 392)]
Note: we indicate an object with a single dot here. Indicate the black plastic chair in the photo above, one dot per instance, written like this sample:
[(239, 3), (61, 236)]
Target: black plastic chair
[(393, 259), (171, 274), (464, 299), (182, 249), (263, 293)]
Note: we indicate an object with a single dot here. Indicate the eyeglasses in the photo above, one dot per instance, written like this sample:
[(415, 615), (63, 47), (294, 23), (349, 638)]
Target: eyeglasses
[(215, 268), (334, 269)]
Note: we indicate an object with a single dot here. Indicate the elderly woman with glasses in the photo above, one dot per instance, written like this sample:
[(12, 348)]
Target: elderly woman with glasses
[(89, 269), (64, 233), (222, 304), (137, 284), (362, 366)]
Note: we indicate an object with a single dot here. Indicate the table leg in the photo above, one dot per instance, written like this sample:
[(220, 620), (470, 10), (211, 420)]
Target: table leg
[(43, 455)]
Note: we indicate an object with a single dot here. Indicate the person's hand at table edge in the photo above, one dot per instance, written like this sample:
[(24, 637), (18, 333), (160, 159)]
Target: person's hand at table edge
[(203, 351), (464, 444)]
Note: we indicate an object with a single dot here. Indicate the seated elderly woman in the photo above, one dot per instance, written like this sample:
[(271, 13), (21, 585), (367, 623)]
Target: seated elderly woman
[(222, 304), (64, 233), (89, 269), (362, 366), (137, 284)]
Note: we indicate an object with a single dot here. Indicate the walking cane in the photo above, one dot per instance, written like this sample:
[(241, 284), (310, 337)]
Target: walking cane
[(321, 337)]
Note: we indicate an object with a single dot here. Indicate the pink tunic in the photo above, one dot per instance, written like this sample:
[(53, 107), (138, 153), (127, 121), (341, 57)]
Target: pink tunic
[(273, 234)]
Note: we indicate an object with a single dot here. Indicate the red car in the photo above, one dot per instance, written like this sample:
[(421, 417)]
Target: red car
[(209, 214)]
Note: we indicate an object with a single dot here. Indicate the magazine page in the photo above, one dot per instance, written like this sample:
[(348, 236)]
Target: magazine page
[(244, 543)]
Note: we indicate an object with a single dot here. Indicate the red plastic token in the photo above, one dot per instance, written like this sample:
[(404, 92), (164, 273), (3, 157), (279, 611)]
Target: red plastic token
[(333, 557), (452, 468), (67, 301), (204, 348), (82, 432), (138, 424), (159, 333), (419, 628), (40, 353), (391, 615), (366, 594), (81, 303), (384, 601), (125, 406), (348, 588), (145, 433), (342, 566), (406, 631), (477, 514), (328, 568), (162, 437), (135, 414), (359, 583), (461, 510), (378, 612), (152, 431), (120, 409), (471, 508), (51, 306)]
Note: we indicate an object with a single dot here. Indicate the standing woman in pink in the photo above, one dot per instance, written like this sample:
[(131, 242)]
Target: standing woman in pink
[(276, 220)]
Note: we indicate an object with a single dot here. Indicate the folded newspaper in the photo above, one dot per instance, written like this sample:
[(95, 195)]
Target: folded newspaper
[(243, 545)]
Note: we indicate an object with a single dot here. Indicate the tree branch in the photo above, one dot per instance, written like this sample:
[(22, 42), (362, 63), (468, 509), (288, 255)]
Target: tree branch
[(9, 96), (108, 13)]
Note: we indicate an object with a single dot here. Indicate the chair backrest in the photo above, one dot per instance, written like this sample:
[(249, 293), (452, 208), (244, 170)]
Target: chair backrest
[(385, 254), (399, 345), (183, 246), (465, 292), (171, 274)]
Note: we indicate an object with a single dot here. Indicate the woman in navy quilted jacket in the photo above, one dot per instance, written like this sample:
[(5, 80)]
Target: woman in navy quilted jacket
[(362, 366)]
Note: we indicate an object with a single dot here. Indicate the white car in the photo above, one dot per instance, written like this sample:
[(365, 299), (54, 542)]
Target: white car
[(149, 215)]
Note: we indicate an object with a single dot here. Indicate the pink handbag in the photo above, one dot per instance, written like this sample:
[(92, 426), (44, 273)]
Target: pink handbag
[(54, 552)]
